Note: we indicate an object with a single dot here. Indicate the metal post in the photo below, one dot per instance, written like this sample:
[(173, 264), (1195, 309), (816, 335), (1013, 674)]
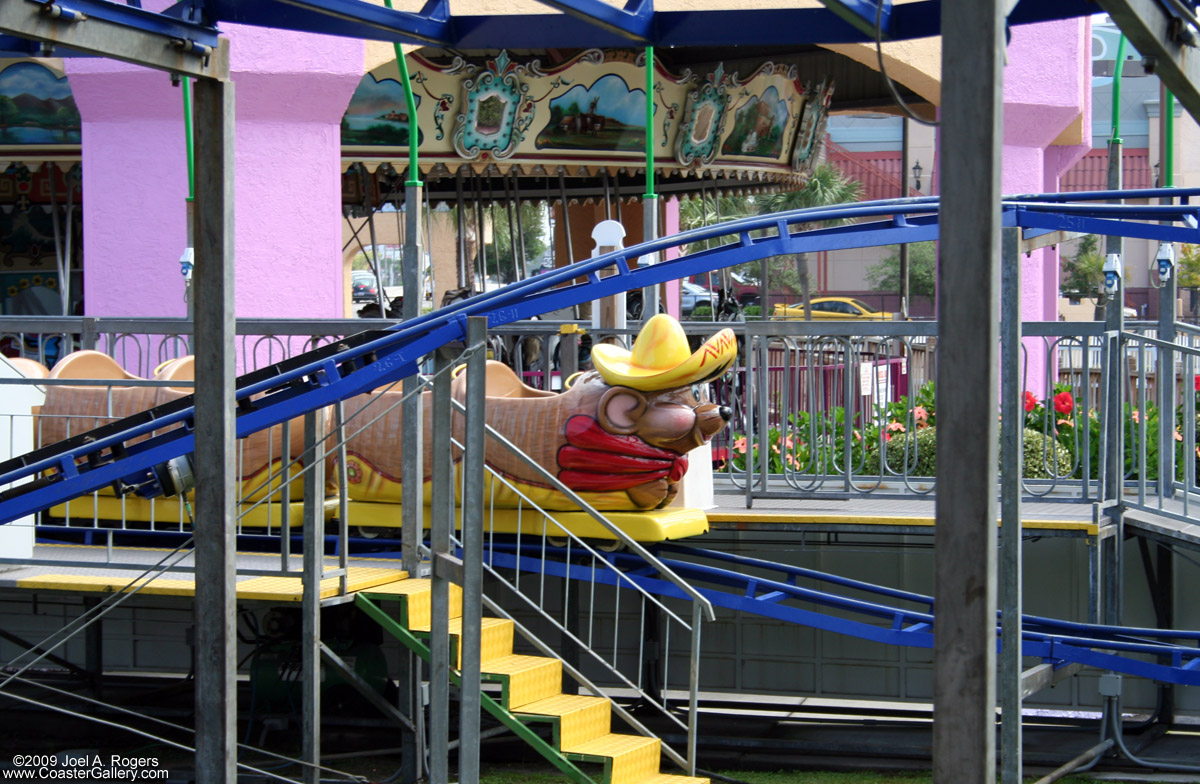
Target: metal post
[(1166, 387), (368, 183), (650, 225), (472, 542), (1011, 426), (964, 728), (440, 525), (411, 471), (93, 642), (461, 225), (1113, 435), (216, 567), (310, 628)]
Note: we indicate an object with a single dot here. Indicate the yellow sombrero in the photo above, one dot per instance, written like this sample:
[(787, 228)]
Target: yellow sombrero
[(661, 358)]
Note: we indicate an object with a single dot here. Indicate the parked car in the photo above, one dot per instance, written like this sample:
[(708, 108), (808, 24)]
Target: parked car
[(833, 308), (364, 287), (693, 294), (746, 290)]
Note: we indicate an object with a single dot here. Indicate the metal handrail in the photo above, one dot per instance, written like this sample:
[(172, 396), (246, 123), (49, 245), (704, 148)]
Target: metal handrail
[(631, 544)]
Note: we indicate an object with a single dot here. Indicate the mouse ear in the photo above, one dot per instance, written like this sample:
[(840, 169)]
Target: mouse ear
[(620, 410)]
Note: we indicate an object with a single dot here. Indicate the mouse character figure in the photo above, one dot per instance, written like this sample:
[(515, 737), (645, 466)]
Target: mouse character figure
[(654, 411), (618, 436)]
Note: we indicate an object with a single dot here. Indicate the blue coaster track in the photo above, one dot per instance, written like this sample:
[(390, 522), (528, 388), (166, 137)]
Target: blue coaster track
[(1168, 656), (106, 456)]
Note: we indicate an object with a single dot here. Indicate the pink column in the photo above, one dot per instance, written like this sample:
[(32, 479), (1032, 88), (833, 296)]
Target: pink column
[(670, 228), (1047, 87), (291, 90)]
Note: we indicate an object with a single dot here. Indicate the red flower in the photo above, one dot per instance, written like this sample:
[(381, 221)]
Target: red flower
[(1064, 403), (1030, 401)]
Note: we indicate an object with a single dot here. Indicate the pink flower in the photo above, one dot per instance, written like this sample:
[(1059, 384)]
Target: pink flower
[(921, 416), (895, 427), (1178, 436), (739, 445), (1066, 422), (1135, 416)]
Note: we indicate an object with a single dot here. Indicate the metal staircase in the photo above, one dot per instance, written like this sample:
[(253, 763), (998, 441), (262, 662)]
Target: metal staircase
[(531, 691)]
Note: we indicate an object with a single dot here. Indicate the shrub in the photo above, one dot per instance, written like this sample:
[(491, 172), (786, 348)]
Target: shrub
[(752, 311), (1045, 457), (916, 455), (701, 313)]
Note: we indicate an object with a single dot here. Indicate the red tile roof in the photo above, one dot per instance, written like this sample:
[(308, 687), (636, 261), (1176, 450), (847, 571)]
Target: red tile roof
[(877, 170), (1090, 173)]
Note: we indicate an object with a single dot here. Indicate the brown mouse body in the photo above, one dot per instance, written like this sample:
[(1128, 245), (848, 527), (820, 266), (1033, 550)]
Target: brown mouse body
[(618, 445)]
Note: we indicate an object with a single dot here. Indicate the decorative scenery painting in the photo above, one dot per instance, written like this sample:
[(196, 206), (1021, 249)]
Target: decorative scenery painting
[(36, 106), (758, 126), (606, 116), (377, 114)]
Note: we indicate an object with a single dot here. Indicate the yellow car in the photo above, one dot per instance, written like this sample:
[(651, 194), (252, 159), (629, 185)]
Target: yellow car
[(832, 308)]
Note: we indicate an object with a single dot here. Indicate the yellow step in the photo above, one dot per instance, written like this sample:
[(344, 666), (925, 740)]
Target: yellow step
[(576, 718), (417, 594), (667, 778), (495, 640), (526, 679), (628, 759)]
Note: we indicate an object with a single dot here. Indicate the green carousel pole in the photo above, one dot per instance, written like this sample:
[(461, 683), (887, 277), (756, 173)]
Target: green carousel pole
[(650, 199), (411, 469)]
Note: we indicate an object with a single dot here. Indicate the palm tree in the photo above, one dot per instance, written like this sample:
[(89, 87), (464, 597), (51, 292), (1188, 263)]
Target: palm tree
[(826, 187)]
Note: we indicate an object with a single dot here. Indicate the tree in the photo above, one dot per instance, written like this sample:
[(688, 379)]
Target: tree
[(922, 271), (826, 187), (500, 256), (1083, 275), (8, 110), (1189, 273)]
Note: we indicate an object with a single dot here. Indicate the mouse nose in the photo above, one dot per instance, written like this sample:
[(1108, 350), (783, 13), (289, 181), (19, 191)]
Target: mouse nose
[(726, 413)]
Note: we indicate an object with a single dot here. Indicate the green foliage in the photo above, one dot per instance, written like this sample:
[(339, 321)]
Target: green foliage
[(1189, 266), (1083, 275), (1044, 457), (752, 311), (826, 187), (914, 454), (922, 271), (500, 252), (701, 313)]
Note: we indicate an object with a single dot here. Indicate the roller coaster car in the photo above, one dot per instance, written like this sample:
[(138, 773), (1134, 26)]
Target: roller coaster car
[(618, 438), (70, 410)]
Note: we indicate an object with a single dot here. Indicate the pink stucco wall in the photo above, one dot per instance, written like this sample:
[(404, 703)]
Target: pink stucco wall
[(290, 90), (1047, 87), (671, 226)]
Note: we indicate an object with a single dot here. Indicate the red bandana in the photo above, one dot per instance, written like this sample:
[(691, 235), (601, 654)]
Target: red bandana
[(594, 459)]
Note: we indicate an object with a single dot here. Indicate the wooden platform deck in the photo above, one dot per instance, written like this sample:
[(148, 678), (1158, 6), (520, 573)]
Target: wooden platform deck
[(882, 515), (94, 569)]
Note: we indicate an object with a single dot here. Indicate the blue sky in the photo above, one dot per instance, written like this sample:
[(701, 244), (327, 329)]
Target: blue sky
[(616, 100), (34, 79)]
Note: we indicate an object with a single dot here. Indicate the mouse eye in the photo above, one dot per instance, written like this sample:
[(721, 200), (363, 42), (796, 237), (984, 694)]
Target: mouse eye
[(700, 392)]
